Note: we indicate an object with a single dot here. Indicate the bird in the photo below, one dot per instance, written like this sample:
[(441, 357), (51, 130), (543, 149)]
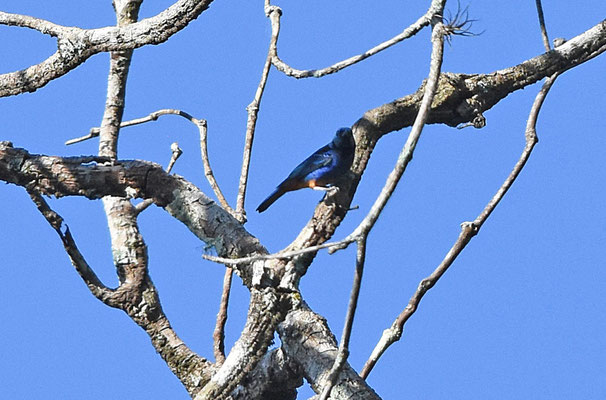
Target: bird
[(319, 171)]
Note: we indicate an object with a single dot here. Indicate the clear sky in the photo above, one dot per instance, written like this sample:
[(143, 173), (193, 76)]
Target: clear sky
[(519, 314)]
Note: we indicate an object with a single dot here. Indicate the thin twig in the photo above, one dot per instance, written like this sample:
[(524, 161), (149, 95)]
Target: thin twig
[(219, 333), (92, 281), (410, 31), (342, 244), (468, 231), (272, 12), (542, 24), (366, 225), (201, 124), (94, 132), (343, 351), (175, 154), (208, 171), (407, 151)]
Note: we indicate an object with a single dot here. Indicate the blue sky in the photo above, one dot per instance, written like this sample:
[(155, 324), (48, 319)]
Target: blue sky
[(520, 313)]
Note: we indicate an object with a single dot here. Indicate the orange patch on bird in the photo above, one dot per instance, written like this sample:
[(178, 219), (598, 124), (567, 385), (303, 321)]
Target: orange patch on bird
[(312, 183)]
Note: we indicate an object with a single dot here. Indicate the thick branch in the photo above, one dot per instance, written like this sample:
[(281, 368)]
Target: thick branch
[(136, 294), (202, 126), (461, 97), (307, 339), (275, 377), (95, 177), (266, 310), (76, 45)]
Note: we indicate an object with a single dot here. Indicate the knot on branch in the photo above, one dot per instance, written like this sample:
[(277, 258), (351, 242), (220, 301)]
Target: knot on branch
[(470, 228), (271, 9)]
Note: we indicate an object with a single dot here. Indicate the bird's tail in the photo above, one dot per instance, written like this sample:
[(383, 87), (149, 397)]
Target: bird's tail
[(276, 194)]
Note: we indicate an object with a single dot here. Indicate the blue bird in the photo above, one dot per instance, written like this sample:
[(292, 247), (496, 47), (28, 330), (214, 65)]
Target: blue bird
[(320, 170)]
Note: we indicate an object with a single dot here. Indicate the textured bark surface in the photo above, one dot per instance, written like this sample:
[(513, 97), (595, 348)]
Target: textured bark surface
[(309, 348), (75, 45)]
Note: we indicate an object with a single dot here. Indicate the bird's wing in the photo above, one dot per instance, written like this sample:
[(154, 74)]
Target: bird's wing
[(321, 158)]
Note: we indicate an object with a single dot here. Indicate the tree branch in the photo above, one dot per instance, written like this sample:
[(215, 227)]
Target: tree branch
[(409, 147), (459, 98), (202, 126), (76, 45), (275, 377), (175, 154), (90, 278), (251, 122), (542, 25), (468, 231), (266, 310), (95, 177), (368, 222), (343, 352), (307, 339), (219, 332), (412, 30), (136, 293)]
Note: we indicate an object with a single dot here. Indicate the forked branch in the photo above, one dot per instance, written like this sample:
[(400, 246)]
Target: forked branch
[(76, 45), (410, 31)]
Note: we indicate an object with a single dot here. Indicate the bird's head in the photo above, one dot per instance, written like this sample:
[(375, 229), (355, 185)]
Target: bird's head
[(344, 139)]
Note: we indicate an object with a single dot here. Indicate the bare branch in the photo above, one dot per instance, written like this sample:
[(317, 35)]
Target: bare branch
[(343, 352), (468, 231), (201, 124), (317, 73), (272, 12), (96, 287), (265, 312), (38, 24), (275, 377), (208, 171), (95, 177), (94, 132), (366, 225), (461, 98), (316, 354), (407, 151), (175, 154), (76, 45), (137, 295), (283, 255), (219, 333), (544, 35)]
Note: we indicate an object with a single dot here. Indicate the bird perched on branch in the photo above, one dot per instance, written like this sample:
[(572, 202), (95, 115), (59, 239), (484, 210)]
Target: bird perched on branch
[(320, 170)]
